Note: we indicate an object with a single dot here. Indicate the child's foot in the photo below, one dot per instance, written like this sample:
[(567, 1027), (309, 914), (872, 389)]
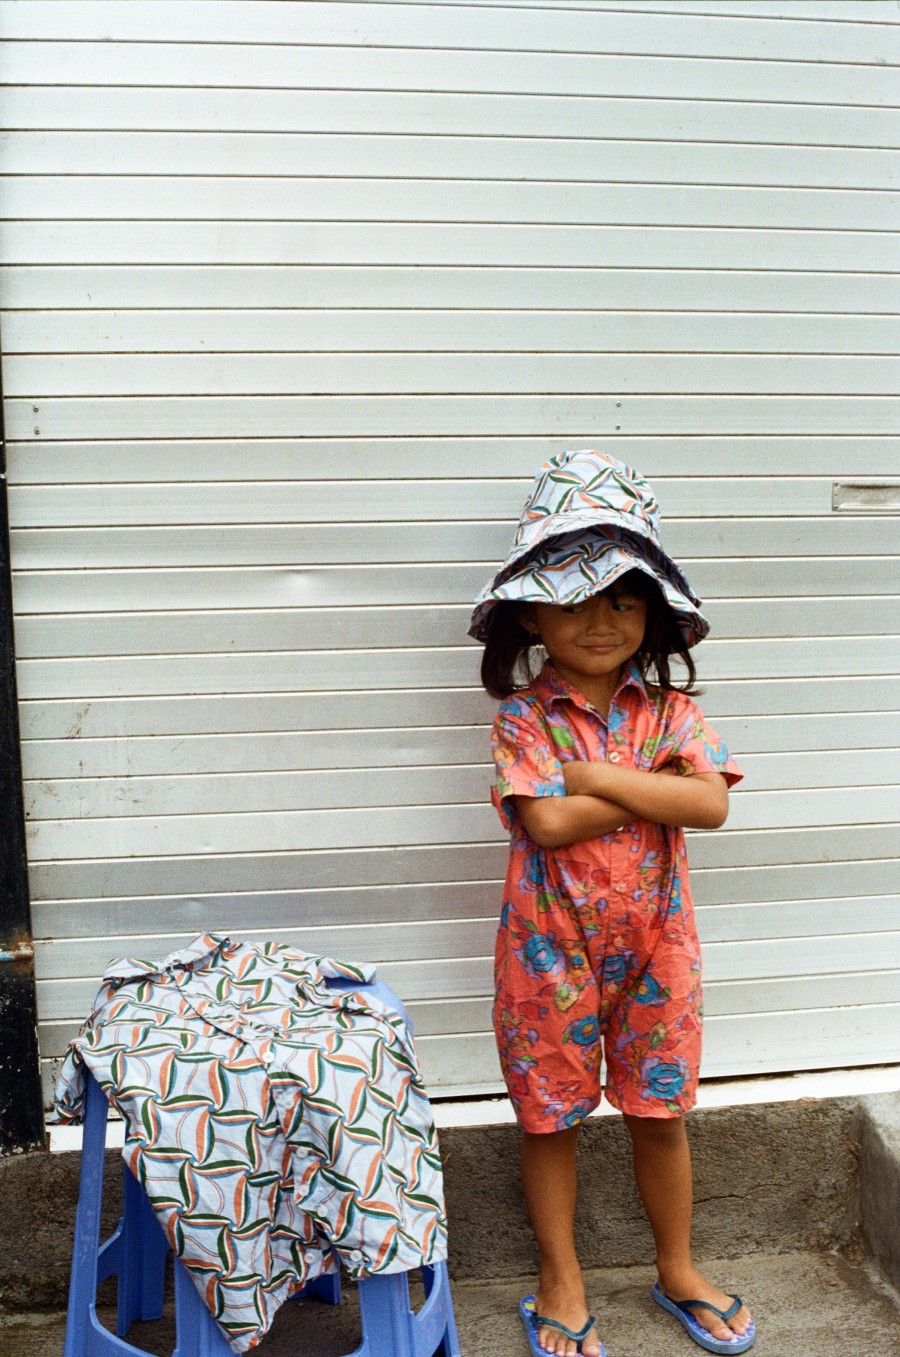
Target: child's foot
[(568, 1305), (690, 1284)]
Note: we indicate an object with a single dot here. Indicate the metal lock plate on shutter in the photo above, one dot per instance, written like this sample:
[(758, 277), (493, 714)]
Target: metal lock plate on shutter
[(879, 495)]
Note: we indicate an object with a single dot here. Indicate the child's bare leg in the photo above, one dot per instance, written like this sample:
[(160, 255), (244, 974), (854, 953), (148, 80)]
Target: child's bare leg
[(662, 1170), (549, 1184)]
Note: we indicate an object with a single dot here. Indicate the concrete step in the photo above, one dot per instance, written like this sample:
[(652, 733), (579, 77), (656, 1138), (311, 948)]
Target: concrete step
[(805, 1304)]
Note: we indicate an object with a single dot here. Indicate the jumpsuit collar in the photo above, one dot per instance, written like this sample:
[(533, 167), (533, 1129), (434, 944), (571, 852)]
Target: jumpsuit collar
[(551, 688)]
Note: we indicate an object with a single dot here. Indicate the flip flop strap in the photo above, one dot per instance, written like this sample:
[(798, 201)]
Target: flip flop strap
[(546, 1322), (705, 1305)]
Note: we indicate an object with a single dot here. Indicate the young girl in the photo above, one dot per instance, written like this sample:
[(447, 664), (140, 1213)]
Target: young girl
[(602, 760)]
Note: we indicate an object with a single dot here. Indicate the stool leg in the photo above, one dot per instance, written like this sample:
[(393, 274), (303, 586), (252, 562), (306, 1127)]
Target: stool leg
[(390, 1329), (326, 1288), (142, 1267), (437, 1284), (386, 1317), (83, 1283), (198, 1333)]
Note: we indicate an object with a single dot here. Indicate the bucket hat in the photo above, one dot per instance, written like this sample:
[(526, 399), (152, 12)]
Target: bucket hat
[(588, 519)]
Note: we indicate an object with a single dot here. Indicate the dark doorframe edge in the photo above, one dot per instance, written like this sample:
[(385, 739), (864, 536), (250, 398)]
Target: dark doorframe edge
[(21, 1099)]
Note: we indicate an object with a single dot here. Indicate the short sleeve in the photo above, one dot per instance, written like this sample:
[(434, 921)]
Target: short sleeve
[(525, 758), (689, 738)]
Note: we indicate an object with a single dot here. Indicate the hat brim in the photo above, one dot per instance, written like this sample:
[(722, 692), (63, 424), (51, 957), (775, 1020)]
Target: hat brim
[(570, 571)]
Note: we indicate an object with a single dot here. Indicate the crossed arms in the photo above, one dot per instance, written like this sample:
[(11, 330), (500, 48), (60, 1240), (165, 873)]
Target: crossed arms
[(601, 797)]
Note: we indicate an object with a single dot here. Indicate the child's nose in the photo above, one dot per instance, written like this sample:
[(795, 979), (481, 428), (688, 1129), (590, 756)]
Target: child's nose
[(600, 611)]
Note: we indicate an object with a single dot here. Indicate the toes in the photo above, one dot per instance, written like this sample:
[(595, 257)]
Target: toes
[(714, 1325), (741, 1322)]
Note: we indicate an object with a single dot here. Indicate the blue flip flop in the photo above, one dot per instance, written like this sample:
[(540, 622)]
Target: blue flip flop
[(682, 1312), (532, 1321)]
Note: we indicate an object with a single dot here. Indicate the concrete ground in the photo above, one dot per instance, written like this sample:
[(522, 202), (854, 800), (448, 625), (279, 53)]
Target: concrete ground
[(806, 1305), (816, 1180)]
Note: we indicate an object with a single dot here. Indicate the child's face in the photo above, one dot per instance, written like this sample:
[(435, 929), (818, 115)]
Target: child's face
[(593, 640)]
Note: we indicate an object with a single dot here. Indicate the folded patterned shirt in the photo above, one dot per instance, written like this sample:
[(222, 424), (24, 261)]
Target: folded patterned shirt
[(278, 1124)]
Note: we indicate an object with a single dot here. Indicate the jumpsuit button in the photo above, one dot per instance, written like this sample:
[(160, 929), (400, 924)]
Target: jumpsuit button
[(621, 886), (615, 757)]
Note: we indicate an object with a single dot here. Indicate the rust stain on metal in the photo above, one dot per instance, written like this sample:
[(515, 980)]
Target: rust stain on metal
[(19, 950)]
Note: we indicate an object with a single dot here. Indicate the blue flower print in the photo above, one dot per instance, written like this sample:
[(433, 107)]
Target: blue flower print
[(574, 1117), (618, 717), (649, 991), (663, 1078), (532, 879), (504, 914), (675, 896), (540, 953), (615, 967), (584, 1031)]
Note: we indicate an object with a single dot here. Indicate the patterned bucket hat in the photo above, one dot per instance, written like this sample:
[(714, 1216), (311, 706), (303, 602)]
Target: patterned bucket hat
[(589, 519)]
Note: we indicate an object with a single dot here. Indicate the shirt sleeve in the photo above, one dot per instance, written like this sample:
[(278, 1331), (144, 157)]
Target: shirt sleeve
[(525, 758), (690, 740)]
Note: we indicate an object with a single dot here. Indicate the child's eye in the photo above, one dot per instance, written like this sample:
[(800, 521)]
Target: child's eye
[(573, 607), (620, 606)]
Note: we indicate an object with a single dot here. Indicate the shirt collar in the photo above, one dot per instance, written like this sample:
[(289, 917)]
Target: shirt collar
[(200, 950), (551, 687)]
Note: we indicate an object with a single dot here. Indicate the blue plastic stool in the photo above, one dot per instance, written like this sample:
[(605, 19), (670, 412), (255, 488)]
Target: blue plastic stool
[(137, 1251)]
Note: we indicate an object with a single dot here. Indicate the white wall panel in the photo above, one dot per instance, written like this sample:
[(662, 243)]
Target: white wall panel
[(159, 755), (447, 373), (287, 671), (635, 118), (263, 65), (584, 162), (512, 331), (473, 244), (79, 635), (467, 458), (68, 548), (596, 285), (459, 28), (410, 416), (293, 306)]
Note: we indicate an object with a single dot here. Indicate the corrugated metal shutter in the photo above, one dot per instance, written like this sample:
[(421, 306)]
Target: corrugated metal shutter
[(296, 298)]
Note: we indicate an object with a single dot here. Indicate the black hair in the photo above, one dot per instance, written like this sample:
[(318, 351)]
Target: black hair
[(507, 661)]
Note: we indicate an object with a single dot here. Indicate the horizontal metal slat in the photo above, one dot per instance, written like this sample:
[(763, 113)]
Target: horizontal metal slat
[(377, 111), (734, 903), (408, 416), (297, 501), (118, 756), (379, 543), (236, 376), (395, 944), (386, 459), (297, 671), (114, 878), (286, 830), (73, 197), (432, 243), (424, 26), (438, 706), (385, 330), (422, 68), (567, 287), (81, 635), (135, 794), (295, 154)]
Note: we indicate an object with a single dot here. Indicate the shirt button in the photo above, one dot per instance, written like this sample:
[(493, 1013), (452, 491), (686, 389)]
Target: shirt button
[(615, 757), (621, 886)]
